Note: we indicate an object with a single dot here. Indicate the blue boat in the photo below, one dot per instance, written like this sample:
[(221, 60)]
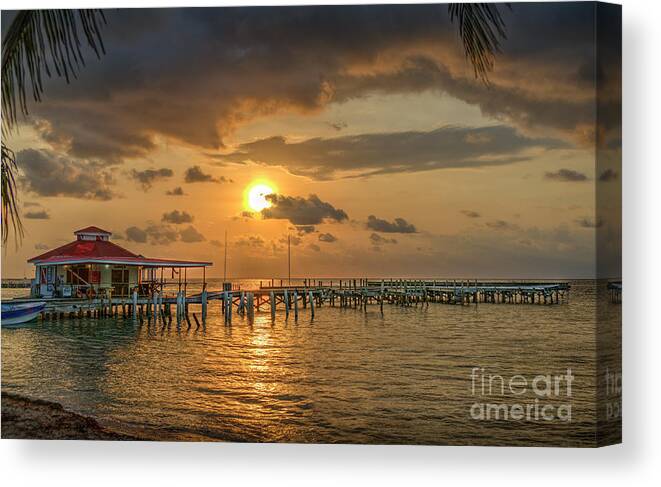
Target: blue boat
[(15, 314)]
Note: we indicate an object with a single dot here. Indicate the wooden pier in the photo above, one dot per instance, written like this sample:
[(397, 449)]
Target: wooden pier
[(311, 294), (615, 291)]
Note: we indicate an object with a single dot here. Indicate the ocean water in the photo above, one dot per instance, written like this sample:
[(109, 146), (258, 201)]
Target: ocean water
[(410, 375)]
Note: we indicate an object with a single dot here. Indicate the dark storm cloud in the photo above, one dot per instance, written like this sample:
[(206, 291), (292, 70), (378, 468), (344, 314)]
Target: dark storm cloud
[(195, 174), (567, 175), (399, 225), (225, 67), (47, 173), (178, 191), (471, 213), (302, 211), (607, 176), (327, 238), (177, 217), (369, 154), (147, 177), (37, 215)]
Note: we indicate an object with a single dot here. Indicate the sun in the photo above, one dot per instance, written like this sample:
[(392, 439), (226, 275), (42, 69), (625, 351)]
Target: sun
[(256, 196)]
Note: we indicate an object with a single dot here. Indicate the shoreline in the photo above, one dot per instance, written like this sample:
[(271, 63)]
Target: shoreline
[(24, 418)]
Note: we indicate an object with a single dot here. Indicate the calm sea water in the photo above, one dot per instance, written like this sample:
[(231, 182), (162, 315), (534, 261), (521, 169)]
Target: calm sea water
[(348, 376)]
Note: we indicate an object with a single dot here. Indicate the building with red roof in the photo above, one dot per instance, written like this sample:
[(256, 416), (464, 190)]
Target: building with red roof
[(93, 265)]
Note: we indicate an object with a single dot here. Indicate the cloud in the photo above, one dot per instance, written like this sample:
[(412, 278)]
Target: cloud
[(567, 175), (314, 247), (502, 225), (47, 173), (178, 191), (37, 215), (304, 229), (327, 237), (229, 66), (607, 176), (302, 211), (147, 177), (382, 153), (400, 225), (337, 125), (589, 222), (293, 239), (471, 213), (196, 175), (29, 204), (41, 246), (216, 243), (155, 234), (177, 217), (250, 241), (377, 239), (191, 235), (135, 234)]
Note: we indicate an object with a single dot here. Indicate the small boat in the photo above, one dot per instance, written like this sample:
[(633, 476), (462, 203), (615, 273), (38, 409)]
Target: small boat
[(15, 314)]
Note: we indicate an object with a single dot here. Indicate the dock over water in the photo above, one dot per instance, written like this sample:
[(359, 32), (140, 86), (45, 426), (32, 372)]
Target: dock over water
[(311, 294)]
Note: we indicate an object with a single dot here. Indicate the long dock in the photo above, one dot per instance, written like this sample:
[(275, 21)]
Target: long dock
[(313, 294)]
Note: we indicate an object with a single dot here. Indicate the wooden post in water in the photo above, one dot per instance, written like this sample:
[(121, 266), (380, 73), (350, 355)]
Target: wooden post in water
[(204, 305), (311, 305), (272, 301), (135, 304), (251, 307), (286, 298), (295, 305)]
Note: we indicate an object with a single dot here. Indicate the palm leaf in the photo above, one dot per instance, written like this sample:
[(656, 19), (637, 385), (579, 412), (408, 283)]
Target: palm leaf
[(10, 215), (38, 43), (481, 27)]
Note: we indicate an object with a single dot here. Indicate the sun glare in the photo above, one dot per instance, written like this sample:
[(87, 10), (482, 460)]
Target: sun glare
[(256, 196)]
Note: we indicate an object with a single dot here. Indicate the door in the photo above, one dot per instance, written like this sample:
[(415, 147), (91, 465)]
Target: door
[(119, 279)]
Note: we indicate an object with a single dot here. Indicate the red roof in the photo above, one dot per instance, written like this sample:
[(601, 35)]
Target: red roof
[(86, 248), (92, 229), (104, 252)]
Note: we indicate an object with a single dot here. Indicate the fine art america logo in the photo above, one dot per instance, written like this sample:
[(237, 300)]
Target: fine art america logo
[(543, 397)]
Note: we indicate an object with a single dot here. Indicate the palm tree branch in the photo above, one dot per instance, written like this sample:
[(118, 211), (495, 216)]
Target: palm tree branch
[(481, 28), (38, 43), (42, 42), (10, 215)]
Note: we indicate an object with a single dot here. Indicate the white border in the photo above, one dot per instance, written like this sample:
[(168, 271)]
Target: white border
[(54, 463)]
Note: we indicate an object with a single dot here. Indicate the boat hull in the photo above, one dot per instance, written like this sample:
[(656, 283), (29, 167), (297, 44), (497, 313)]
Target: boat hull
[(16, 314)]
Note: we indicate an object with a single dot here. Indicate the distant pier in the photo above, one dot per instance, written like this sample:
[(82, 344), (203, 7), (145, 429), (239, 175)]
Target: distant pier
[(312, 294)]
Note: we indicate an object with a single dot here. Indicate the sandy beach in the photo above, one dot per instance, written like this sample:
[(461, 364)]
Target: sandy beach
[(24, 418)]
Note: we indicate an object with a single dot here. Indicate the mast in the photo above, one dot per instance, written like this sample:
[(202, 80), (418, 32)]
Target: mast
[(289, 258), (225, 261)]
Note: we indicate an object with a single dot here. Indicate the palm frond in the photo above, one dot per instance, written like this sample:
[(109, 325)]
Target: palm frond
[(10, 216), (481, 28), (44, 42), (38, 43)]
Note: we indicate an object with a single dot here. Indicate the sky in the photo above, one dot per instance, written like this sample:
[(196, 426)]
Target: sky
[(383, 154)]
